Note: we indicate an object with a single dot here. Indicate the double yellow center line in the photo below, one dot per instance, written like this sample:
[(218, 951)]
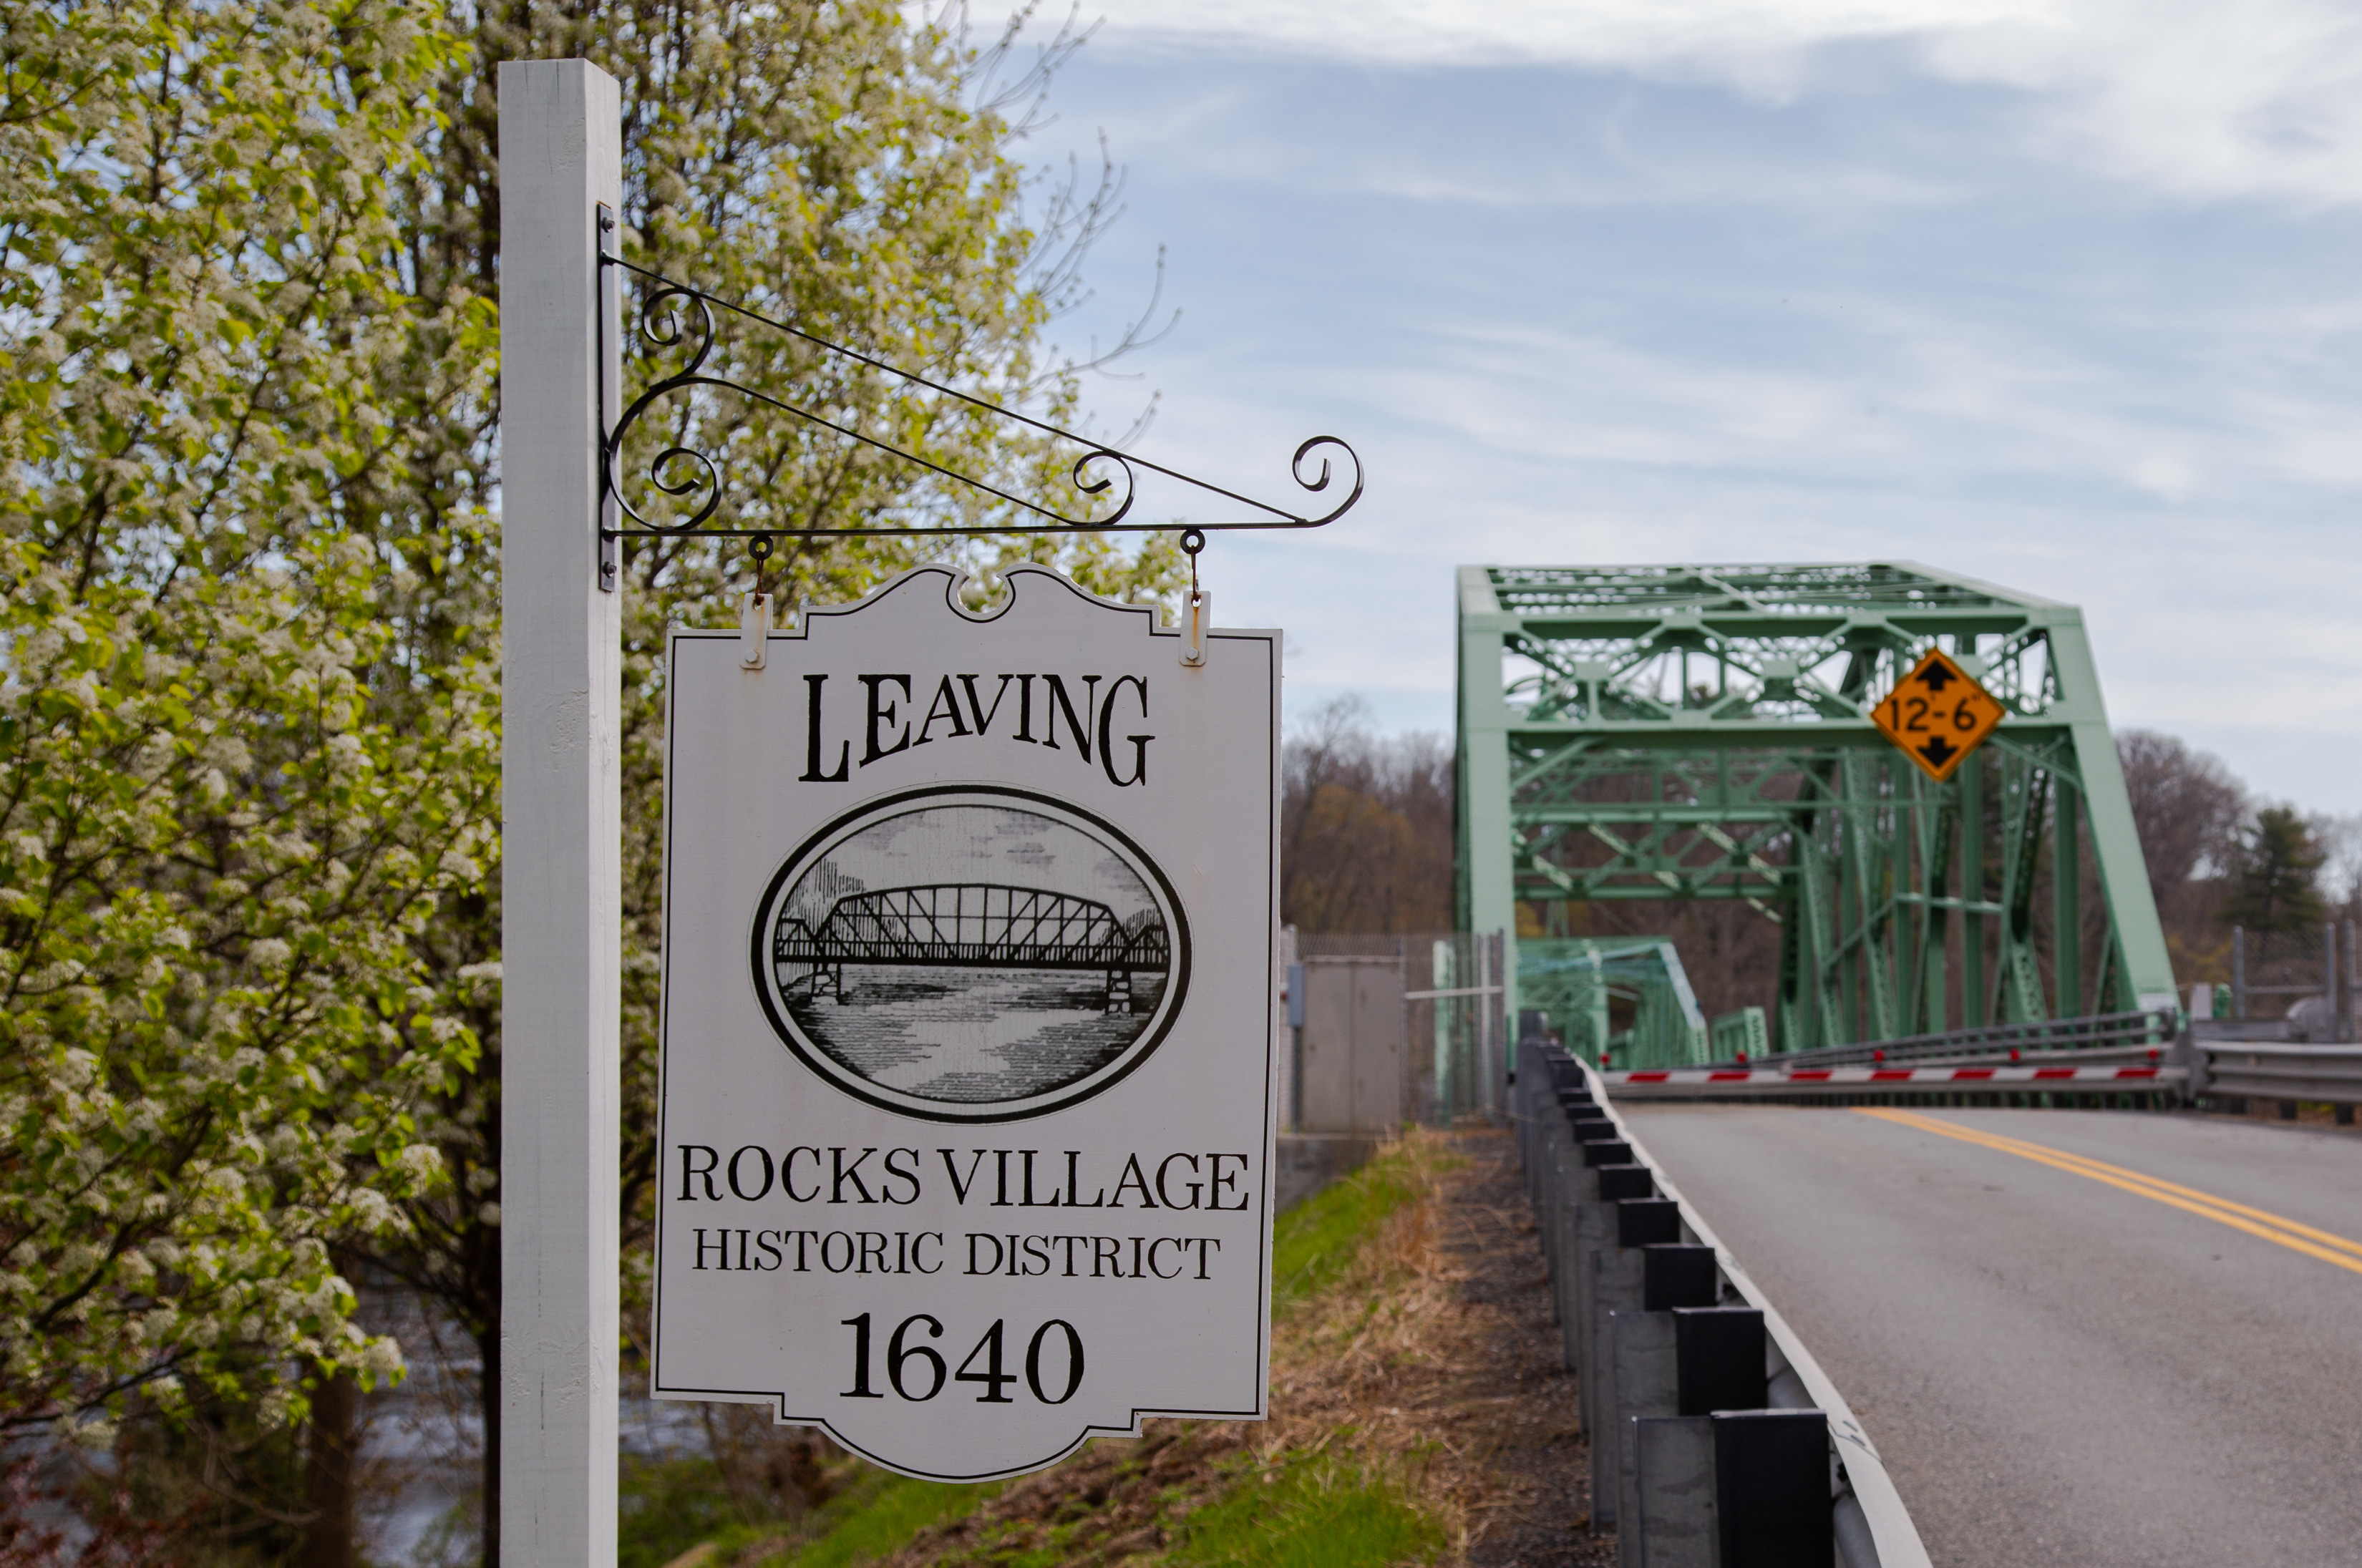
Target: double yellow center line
[(2290, 1234)]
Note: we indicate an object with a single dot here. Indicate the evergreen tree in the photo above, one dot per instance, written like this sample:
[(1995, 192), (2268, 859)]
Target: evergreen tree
[(2280, 865)]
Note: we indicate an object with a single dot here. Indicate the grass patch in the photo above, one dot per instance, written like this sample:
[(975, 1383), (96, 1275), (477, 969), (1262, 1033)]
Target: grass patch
[(1319, 1239), (876, 1516), (1308, 1511), (669, 1506)]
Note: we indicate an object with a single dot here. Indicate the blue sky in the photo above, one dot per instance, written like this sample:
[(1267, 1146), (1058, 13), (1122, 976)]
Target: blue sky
[(2064, 296)]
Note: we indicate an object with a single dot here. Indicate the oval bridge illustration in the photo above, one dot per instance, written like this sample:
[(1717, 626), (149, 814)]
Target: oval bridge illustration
[(970, 952), (970, 925)]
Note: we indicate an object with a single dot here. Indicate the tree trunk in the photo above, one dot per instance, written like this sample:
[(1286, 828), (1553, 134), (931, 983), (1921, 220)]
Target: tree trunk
[(487, 1347), (329, 1474)]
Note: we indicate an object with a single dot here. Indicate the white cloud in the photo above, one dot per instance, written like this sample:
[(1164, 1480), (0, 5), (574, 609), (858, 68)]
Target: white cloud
[(2194, 99), (2171, 505), (1629, 33), (1701, 282)]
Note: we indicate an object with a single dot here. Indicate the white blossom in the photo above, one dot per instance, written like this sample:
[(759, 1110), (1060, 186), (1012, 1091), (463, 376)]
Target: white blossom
[(380, 1360)]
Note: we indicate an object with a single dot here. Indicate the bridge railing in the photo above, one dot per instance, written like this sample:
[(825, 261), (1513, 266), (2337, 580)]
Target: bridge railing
[(2036, 1037), (2229, 1073), (2130, 1059)]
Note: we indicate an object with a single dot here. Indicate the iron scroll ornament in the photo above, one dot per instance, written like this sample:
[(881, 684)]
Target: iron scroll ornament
[(677, 316)]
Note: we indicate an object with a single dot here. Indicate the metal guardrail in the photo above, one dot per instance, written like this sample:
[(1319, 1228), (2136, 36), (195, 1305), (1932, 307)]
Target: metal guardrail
[(2101, 1030), (2247, 1069), (1715, 1438), (2131, 1058)]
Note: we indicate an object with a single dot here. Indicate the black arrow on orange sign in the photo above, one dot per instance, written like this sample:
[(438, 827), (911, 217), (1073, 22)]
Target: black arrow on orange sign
[(1934, 678), (1938, 752)]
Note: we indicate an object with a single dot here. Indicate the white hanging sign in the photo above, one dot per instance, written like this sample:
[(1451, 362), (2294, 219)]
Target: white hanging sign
[(970, 932)]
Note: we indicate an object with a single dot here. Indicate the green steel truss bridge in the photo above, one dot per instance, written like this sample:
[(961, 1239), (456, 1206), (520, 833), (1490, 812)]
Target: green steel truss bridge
[(1680, 732)]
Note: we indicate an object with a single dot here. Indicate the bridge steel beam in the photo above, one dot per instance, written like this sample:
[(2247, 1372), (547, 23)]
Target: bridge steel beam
[(1682, 731), (1487, 840)]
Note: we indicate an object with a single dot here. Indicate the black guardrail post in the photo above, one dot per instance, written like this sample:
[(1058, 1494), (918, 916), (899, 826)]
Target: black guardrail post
[(1676, 1275), (1773, 1503), (1722, 1364)]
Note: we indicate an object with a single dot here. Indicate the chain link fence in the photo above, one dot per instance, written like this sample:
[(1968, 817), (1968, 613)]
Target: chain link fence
[(1448, 1028), (2305, 978)]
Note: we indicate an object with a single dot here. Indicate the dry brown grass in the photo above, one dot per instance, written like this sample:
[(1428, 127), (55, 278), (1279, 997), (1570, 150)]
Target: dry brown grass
[(1419, 1365)]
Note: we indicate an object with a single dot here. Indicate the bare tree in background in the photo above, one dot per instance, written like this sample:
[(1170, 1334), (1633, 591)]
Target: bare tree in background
[(1364, 826), (2187, 805), (2340, 838), (2190, 809)]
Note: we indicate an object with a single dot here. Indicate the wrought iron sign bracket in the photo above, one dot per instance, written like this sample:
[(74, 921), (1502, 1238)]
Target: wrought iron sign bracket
[(681, 318), (611, 538)]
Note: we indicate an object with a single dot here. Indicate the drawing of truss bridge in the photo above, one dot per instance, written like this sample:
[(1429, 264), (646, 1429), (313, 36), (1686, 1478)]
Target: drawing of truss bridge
[(968, 925)]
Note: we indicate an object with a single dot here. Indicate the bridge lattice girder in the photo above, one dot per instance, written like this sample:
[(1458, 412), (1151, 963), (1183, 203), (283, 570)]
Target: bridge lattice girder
[(973, 925), (1704, 732)]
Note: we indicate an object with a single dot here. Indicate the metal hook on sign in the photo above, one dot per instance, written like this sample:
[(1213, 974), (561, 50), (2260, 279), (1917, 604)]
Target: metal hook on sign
[(753, 630), (1196, 617), (754, 613), (1198, 609)]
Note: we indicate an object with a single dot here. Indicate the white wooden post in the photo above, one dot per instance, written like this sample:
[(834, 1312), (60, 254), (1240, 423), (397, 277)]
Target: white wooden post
[(561, 818)]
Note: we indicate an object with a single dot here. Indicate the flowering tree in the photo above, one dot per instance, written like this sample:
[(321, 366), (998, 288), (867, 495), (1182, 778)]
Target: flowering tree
[(211, 866), (214, 1025), (248, 573)]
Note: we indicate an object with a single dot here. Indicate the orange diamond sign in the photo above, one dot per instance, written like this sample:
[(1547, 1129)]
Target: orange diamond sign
[(1938, 713)]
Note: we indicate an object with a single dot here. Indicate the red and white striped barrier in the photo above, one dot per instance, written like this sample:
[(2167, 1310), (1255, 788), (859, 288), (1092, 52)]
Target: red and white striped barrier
[(1722, 1078)]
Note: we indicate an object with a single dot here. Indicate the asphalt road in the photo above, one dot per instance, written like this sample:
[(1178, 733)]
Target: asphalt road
[(2053, 1368)]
